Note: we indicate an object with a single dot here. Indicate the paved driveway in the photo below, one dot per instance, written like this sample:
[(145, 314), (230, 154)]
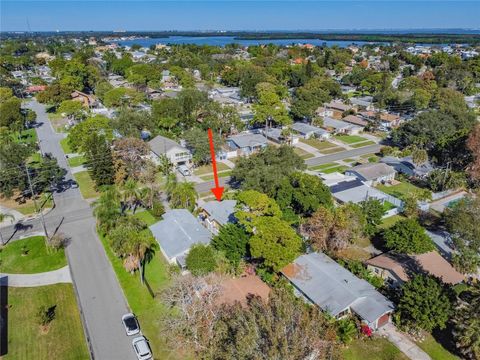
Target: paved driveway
[(407, 346)]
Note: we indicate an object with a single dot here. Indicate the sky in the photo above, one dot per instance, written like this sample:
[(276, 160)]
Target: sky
[(39, 15)]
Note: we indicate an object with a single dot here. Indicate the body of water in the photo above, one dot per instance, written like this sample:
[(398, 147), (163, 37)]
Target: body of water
[(224, 40)]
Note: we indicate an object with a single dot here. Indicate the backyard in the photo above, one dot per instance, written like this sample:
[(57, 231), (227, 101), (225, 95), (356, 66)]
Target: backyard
[(400, 190), (64, 338), (30, 256)]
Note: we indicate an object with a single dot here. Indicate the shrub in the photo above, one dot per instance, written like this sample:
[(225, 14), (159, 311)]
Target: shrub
[(201, 259), (45, 315), (157, 209)]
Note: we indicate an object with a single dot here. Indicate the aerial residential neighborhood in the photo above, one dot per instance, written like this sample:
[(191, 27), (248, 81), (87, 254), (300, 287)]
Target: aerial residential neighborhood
[(239, 194)]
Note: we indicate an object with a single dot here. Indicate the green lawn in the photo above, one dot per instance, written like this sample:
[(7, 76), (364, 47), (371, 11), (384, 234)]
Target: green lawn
[(390, 221), (35, 158), (66, 146), (349, 139), (86, 184), (332, 150), (65, 338), (339, 168), (317, 144), (76, 161), (207, 169), (29, 256), (362, 144), (399, 191), (302, 153), (435, 350), (146, 217), (323, 166), (149, 310), (372, 349), (210, 177)]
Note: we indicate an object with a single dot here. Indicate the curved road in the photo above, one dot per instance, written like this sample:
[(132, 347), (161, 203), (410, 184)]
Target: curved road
[(100, 296)]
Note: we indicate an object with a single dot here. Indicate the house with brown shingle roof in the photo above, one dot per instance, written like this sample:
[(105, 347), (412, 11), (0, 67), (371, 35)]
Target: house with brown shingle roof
[(352, 119), (396, 269)]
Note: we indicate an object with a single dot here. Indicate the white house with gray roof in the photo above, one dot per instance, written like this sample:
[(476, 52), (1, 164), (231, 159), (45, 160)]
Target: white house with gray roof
[(372, 173), (216, 214), (308, 131), (325, 283), (177, 154), (177, 232), (246, 144), (340, 127)]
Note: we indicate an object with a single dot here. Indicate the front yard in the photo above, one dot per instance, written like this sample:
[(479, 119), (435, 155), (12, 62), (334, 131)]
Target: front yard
[(207, 169), (62, 339), (65, 146), (26, 206), (434, 349), (76, 161), (86, 185), (376, 348), (30, 256), (350, 139), (325, 147)]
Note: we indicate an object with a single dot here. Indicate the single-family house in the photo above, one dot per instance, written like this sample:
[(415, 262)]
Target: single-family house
[(340, 127), (337, 108), (216, 214), (275, 134), (389, 121), (335, 290), (407, 166), (372, 173), (397, 269), (355, 191), (177, 232), (308, 131), (246, 144), (362, 102), (355, 120), (177, 154)]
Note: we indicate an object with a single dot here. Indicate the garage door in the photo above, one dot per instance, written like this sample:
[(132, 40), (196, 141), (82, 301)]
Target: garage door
[(384, 319)]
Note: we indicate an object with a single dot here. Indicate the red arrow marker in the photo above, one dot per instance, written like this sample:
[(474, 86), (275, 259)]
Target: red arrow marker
[(217, 190)]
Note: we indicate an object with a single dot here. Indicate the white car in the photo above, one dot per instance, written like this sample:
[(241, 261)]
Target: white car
[(131, 324), (142, 348)]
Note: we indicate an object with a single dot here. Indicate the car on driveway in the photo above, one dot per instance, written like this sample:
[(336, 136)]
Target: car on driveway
[(142, 348), (131, 324)]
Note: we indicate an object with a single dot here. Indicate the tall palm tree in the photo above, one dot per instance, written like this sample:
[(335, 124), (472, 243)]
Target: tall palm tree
[(4, 217), (107, 208), (183, 195), (142, 247), (467, 325)]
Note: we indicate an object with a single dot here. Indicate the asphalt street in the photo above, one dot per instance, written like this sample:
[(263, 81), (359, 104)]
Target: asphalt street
[(100, 296), (343, 155)]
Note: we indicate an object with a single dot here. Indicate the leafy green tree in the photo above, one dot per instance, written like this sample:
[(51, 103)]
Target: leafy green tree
[(408, 237), (303, 193), (79, 134), (374, 211), (265, 170), (424, 304), (98, 154), (200, 259), (462, 222), (252, 205), (182, 195), (55, 93), (197, 140), (11, 114), (467, 325), (13, 157), (346, 330), (130, 123), (275, 242), (121, 96), (107, 208), (71, 108), (445, 179), (269, 108), (232, 240)]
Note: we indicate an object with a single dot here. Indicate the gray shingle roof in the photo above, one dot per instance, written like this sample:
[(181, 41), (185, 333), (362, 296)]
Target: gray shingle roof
[(338, 124), (160, 144), (178, 231), (333, 288), (248, 140), (372, 171), (303, 128), (221, 211)]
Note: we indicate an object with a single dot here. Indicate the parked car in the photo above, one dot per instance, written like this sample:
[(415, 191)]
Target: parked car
[(142, 348), (131, 324), (184, 170)]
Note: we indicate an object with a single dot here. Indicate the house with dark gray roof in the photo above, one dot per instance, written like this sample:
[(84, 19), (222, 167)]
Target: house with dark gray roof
[(177, 154), (407, 166), (246, 144), (216, 214), (340, 127), (325, 283), (308, 131), (372, 173), (177, 232)]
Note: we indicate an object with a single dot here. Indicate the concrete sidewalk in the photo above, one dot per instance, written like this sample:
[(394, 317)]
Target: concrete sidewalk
[(41, 279), (402, 341)]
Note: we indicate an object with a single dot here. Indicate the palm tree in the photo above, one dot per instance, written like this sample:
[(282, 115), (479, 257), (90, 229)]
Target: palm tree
[(4, 217), (467, 325), (142, 247), (166, 165), (183, 195), (107, 208), (131, 193)]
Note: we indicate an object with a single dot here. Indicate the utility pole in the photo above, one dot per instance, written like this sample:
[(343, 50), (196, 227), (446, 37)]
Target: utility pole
[(35, 203)]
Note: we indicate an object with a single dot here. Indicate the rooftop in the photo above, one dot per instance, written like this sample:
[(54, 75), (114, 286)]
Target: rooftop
[(334, 289), (306, 128), (372, 171), (160, 144), (248, 140), (178, 231), (221, 211)]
